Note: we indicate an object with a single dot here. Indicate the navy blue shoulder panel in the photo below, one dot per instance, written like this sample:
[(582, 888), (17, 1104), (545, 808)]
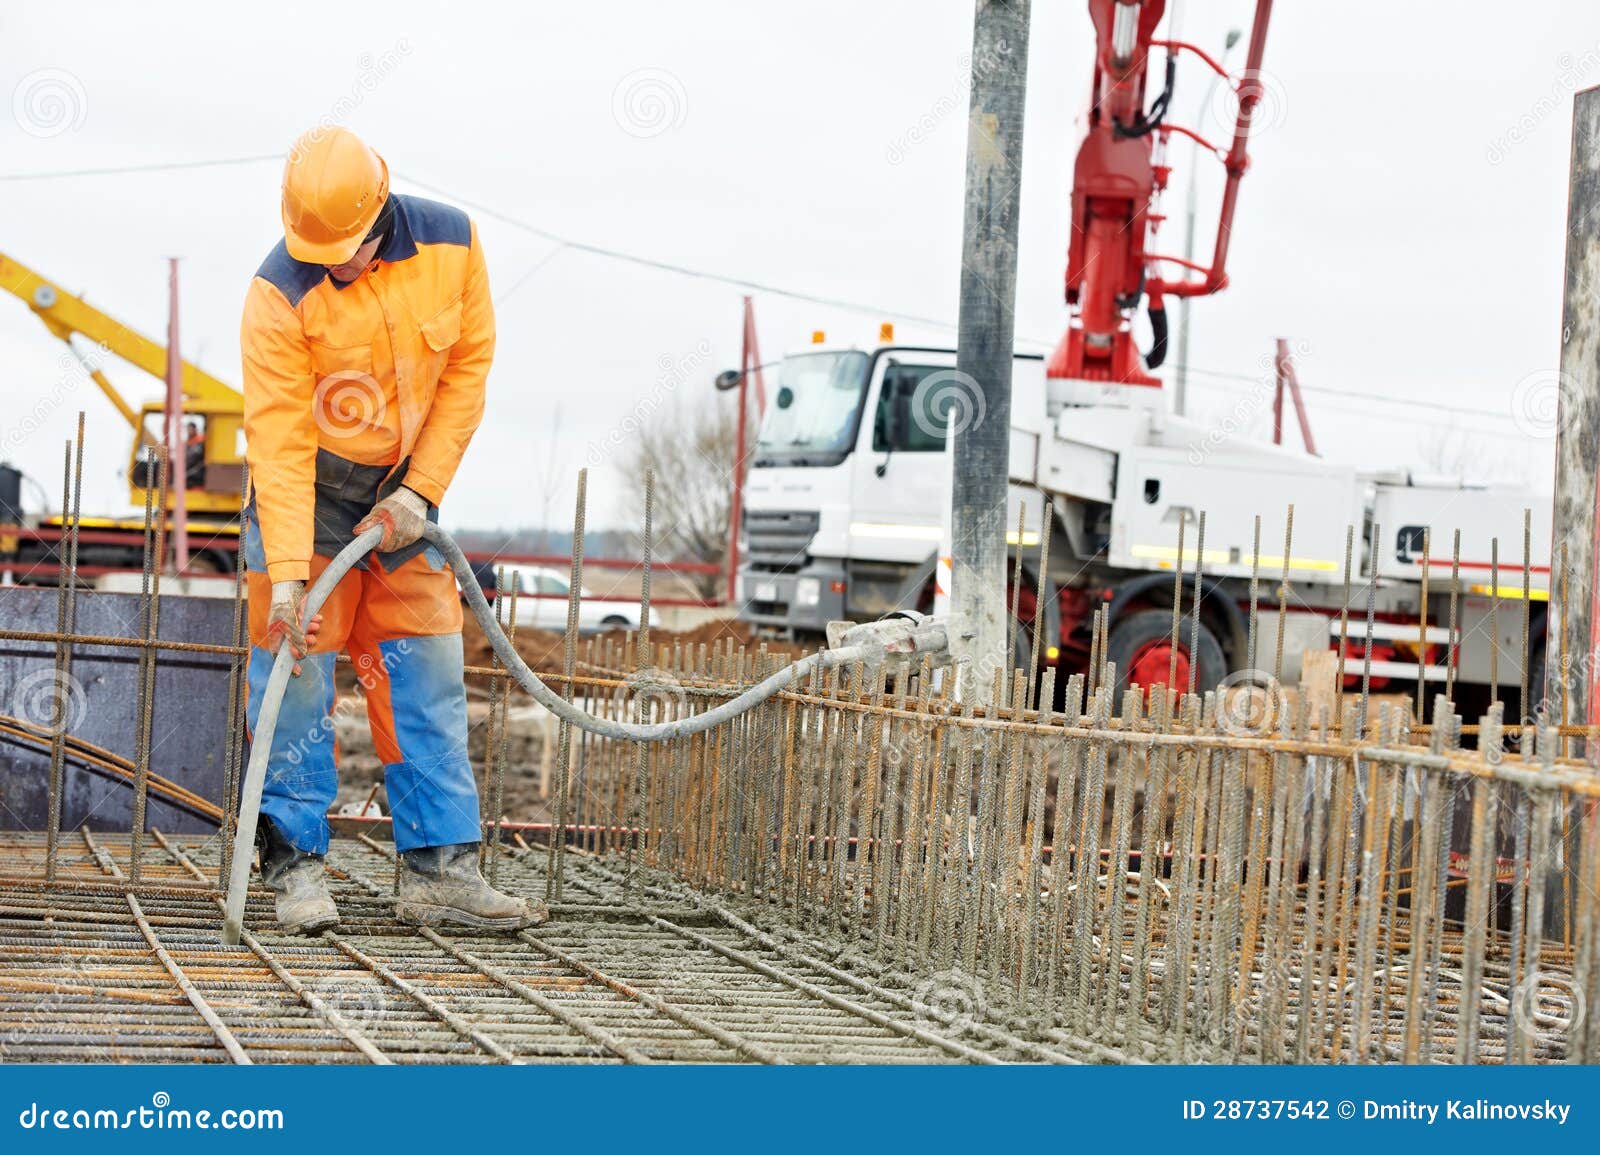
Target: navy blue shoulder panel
[(433, 223), (294, 279)]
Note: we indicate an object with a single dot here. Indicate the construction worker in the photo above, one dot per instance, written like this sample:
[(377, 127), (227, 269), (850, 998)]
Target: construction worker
[(367, 338)]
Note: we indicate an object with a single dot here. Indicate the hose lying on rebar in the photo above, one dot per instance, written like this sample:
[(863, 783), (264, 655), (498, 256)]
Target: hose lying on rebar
[(867, 644)]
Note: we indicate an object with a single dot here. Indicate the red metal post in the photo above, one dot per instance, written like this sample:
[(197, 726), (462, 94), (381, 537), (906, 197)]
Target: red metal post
[(176, 436), (1288, 378), (1277, 397), (752, 351)]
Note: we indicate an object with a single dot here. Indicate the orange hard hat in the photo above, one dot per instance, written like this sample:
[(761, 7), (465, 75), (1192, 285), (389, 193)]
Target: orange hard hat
[(333, 189)]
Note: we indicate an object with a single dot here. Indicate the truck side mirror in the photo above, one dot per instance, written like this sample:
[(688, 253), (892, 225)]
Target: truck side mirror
[(727, 379)]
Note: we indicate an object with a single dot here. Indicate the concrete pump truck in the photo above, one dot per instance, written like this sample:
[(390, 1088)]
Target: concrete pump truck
[(846, 501)]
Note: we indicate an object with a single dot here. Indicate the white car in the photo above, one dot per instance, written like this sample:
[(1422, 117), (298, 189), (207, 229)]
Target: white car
[(543, 603)]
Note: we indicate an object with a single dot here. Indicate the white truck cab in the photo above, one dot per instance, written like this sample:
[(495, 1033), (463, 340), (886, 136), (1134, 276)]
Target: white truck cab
[(844, 501)]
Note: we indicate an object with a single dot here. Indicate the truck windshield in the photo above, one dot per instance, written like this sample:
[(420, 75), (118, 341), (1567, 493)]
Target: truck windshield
[(812, 418)]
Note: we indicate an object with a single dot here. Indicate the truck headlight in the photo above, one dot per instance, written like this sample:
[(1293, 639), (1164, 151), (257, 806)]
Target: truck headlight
[(807, 591)]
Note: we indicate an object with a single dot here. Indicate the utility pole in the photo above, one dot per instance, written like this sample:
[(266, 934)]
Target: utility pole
[(1570, 666), (978, 402), (1578, 428)]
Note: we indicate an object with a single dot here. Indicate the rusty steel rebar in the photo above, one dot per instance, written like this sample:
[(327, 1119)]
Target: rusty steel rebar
[(861, 867)]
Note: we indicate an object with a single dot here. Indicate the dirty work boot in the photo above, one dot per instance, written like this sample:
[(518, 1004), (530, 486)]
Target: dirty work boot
[(300, 881), (441, 885)]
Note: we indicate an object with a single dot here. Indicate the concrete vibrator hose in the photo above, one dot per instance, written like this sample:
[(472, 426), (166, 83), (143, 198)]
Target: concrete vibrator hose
[(872, 644)]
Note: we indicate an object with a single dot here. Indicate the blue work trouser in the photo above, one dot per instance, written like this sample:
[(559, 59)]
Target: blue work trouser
[(402, 628)]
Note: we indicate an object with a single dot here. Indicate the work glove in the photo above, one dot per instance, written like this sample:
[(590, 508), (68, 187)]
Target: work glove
[(283, 621), (402, 514)]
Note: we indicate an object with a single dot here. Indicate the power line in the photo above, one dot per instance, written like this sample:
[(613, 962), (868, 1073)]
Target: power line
[(1347, 394), (671, 267), (565, 242), (527, 227), (120, 170)]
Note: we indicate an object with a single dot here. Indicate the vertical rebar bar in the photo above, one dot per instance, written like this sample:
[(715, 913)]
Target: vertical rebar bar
[(1422, 629), (1366, 645), (1344, 624), (1494, 619), (1283, 613), (497, 763), (145, 709), (555, 866), (1251, 635), (1453, 641), (1016, 606), (1177, 604), (1040, 617), (237, 692), (1524, 708), (61, 677), (1199, 590)]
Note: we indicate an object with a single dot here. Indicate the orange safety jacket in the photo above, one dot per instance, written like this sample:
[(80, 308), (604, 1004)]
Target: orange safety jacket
[(383, 370)]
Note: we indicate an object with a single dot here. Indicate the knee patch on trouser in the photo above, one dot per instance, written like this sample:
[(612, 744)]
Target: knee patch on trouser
[(417, 706), (416, 703)]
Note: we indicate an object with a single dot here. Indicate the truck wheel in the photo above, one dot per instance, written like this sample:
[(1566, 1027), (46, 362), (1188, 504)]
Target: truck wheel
[(1140, 647)]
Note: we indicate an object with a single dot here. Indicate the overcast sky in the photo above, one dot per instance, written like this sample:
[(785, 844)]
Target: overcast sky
[(1403, 219)]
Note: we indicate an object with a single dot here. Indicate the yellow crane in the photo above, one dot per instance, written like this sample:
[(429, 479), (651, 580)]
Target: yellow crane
[(217, 406)]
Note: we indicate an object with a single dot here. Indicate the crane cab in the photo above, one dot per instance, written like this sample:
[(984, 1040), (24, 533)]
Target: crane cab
[(213, 460)]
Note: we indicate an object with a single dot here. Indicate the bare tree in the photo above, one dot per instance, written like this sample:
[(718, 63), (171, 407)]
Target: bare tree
[(550, 481), (691, 453), (1458, 452)]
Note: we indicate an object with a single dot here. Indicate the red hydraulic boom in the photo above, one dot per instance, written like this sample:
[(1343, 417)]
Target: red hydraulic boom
[(1118, 179)]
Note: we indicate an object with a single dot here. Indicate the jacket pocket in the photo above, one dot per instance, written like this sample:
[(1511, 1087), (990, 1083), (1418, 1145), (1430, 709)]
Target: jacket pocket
[(442, 330), (349, 399)]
